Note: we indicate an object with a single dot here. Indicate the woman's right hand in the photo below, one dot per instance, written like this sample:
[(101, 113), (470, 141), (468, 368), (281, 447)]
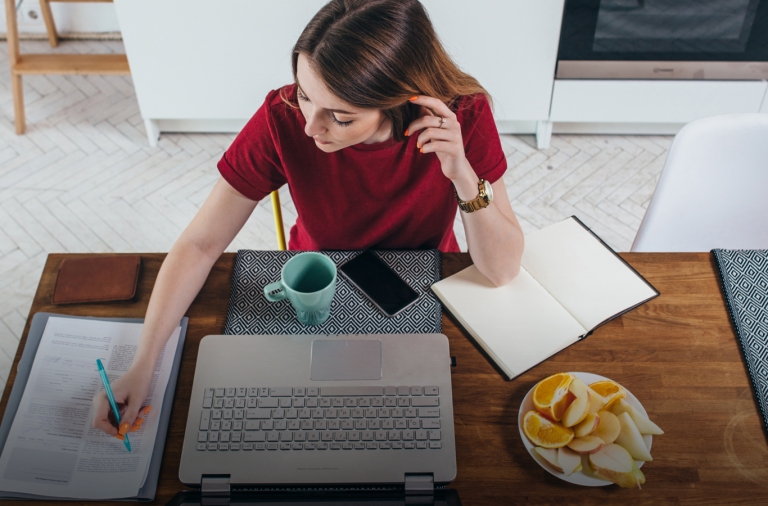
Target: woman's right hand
[(181, 276), (130, 391)]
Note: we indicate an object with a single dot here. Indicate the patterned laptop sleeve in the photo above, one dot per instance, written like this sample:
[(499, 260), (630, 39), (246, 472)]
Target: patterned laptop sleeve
[(351, 313), (744, 277)]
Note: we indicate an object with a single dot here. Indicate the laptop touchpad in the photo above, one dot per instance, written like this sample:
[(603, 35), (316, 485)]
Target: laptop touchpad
[(335, 360)]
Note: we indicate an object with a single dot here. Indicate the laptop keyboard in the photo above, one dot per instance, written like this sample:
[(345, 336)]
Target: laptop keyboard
[(320, 418)]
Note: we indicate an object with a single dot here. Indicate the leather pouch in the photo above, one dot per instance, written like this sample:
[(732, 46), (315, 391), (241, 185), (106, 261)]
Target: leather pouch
[(97, 279)]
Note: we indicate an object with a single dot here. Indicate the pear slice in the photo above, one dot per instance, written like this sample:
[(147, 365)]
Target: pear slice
[(643, 423), (586, 444), (569, 460), (614, 463), (550, 455), (609, 427), (578, 388), (577, 411), (587, 426), (631, 440), (596, 401)]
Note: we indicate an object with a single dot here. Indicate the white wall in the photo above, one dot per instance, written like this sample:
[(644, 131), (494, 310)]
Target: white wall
[(69, 17)]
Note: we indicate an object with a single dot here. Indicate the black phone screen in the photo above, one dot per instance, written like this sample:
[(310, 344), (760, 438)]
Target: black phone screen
[(379, 283)]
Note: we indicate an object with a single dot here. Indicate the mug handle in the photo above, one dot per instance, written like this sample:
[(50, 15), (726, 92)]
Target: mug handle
[(275, 291)]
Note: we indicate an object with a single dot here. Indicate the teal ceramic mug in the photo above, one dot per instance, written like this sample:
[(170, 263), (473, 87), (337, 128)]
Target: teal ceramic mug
[(308, 281)]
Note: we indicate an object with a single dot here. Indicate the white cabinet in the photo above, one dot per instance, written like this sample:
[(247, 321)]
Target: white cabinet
[(207, 66), (650, 106), (652, 101), (510, 46)]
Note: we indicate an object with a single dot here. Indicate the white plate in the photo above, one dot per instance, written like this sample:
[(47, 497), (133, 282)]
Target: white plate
[(584, 477)]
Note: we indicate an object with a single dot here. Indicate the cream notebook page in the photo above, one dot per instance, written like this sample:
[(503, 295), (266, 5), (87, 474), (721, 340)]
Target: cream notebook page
[(518, 325), (582, 274)]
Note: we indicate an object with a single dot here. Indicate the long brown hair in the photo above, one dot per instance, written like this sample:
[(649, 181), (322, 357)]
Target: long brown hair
[(376, 54)]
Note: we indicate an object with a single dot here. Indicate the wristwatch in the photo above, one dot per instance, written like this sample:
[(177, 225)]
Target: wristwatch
[(482, 200)]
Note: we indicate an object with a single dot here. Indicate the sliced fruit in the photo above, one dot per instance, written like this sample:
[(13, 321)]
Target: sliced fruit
[(631, 440), (596, 401), (544, 432), (569, 460), (551, 396), (643, 423), (577, 411), (550, 455), (609, 427), (578, 388), (614, 463), (586, 444), (586, 426), (610, 390)]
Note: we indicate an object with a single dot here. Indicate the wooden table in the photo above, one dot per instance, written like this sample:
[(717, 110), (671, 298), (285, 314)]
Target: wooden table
[(678, 354)]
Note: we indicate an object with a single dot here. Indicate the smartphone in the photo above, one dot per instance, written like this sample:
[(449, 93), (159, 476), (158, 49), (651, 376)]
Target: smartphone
[(379, 283)]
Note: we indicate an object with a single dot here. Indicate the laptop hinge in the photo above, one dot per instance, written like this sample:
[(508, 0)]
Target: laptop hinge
[(420, 484), (214, 489)]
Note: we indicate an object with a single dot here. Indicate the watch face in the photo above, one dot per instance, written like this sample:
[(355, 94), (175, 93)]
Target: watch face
[(488, 190)]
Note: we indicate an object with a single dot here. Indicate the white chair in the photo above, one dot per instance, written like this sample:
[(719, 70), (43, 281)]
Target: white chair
[(713, 192)]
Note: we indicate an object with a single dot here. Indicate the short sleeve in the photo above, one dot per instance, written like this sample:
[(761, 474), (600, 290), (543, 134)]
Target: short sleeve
[(482, 145), (252, 165)]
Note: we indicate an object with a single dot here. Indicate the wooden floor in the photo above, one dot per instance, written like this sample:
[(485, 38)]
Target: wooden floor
[(83, 179)]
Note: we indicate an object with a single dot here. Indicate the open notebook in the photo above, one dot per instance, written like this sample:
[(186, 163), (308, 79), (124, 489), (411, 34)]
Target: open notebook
[(570, 283)]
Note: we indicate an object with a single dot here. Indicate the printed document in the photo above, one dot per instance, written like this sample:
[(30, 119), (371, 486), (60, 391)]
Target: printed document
[(52, 448)]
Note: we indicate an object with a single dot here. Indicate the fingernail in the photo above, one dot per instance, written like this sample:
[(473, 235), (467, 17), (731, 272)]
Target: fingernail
[(148, 408), (417, 146), (139, 421), (124, 427), (406, 133), (421, 150), (135, 427), (120, 437), (415, 97)]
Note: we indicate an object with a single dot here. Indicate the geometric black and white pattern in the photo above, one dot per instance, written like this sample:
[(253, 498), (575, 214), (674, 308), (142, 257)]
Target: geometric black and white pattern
[(351, 313), (744, 276)]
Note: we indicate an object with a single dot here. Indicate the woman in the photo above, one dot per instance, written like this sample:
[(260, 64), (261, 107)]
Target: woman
[(378, 138)]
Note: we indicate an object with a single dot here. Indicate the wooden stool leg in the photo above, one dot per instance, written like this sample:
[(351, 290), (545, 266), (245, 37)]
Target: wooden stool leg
[(18, 103), (17, 91), (50, 25)]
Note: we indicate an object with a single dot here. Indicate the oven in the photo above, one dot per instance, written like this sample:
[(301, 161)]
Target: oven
[(664, 39)]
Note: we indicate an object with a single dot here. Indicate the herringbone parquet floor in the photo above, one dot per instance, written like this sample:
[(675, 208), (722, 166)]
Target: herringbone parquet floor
[(83, 179)]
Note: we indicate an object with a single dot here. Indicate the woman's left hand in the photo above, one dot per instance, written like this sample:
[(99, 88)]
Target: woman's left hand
[(441, 135)]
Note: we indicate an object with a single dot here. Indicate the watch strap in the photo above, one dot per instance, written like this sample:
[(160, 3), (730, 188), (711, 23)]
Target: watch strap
[(479, 202)]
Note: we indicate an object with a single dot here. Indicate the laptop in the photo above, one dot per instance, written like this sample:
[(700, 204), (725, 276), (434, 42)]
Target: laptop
[(293, 412)]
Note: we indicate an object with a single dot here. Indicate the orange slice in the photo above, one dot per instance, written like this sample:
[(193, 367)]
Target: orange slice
[(551, 396), (610, 390), (544, 432)]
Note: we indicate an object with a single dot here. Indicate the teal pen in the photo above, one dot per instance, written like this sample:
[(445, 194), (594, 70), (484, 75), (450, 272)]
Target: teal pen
[(111, 398)]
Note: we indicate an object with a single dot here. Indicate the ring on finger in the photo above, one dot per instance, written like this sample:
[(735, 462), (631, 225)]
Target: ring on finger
[(442, 122)]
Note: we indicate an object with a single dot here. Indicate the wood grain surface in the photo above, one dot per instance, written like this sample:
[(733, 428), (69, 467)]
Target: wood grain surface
[(678, 354)]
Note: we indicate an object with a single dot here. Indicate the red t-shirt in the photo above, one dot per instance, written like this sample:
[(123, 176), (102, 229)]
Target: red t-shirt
[(380, 196)]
